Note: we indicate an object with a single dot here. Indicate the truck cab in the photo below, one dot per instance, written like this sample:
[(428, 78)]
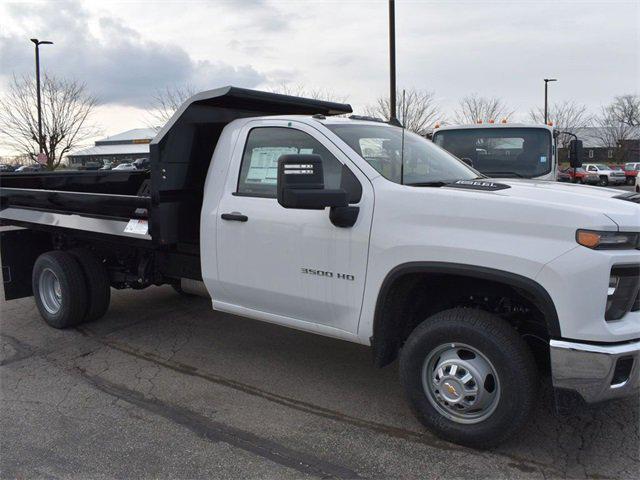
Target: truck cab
[(503, 150)]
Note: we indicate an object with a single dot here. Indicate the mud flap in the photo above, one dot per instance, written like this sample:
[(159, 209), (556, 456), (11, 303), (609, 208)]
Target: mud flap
[(19, 250)]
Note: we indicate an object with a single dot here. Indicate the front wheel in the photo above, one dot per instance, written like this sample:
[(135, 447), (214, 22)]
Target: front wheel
[(469, 377), (604, 181)]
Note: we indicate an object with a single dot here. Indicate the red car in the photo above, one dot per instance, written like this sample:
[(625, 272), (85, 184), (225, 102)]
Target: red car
[(580, 175), (631, 172)]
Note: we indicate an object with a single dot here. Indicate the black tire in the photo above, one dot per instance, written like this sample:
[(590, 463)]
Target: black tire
[(73, 299), (506, 351), (631, 180), (604, 181), (97, 281)]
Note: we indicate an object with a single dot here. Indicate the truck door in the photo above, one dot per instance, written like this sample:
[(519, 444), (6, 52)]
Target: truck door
[(290, 266)]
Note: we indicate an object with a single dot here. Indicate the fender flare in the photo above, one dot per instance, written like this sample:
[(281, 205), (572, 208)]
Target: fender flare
[(537, 293)]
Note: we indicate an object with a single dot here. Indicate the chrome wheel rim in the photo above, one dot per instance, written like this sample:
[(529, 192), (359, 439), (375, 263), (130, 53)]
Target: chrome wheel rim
[(461, 383), (50, 291)]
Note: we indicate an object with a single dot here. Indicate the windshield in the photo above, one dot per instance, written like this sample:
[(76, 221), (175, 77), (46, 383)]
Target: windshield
[(422, 162), (516, 152)]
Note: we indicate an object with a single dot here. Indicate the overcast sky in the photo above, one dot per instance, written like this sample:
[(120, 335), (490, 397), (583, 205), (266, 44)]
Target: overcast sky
[(125, 51)]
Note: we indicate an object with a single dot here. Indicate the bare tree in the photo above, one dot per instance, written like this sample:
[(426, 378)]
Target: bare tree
[(417, 110), (299, 90), (567, 116), (475, 108), (165, 102), (625, 109), (614, 129), (66, 110)]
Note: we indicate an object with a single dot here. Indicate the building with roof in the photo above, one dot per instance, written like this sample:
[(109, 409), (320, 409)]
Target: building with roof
[(124, 147), (599, 146)]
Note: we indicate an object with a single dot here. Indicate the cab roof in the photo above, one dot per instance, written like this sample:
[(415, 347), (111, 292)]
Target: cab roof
[(493, 125)]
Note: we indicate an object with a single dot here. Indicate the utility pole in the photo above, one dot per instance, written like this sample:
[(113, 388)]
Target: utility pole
[(392, 62), (546, 98), (37, 44)]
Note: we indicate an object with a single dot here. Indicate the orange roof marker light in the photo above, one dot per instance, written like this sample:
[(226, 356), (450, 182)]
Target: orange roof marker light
[(504, 120), (437, 125), (479, 121), (550, 124), (492, 121)]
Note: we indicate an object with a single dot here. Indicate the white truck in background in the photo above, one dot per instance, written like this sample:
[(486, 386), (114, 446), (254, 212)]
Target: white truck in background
[(359, 231), (606, 174)]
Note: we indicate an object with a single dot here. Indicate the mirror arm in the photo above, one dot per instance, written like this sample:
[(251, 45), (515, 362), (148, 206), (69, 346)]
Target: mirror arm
[(344, 217), (569, 133)]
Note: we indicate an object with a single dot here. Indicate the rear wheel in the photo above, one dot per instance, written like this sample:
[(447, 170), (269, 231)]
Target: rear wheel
[(59, 289), (97, 281), (469, 377)]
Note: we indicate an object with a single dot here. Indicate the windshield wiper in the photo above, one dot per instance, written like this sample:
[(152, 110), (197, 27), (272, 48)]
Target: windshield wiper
[(504, 174)]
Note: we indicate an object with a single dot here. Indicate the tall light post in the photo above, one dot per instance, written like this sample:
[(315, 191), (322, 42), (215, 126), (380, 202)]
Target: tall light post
[(392, 62), (546, 98), (37, 44)]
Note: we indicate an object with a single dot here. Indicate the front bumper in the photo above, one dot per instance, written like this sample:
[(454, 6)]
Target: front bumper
[(617, 180), (596, 372)]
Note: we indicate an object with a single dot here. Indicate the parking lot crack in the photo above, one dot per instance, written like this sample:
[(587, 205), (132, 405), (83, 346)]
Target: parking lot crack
[(214, 431), (395, 432)]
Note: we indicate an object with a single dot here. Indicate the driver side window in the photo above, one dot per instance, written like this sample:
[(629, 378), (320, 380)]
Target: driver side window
[(265, 145)]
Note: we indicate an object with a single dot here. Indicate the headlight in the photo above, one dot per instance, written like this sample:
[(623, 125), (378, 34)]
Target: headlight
[(608, 240)]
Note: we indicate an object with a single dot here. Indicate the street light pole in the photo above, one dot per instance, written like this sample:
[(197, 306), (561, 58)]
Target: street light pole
[(37, 44), (546, 98), (392, 61)]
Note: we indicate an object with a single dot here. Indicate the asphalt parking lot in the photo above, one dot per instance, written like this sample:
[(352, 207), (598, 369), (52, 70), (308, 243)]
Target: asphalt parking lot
[(629, 188), (163, 387)]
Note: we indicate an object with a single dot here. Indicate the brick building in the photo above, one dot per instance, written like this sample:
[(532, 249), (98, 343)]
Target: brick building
[(595, 152)]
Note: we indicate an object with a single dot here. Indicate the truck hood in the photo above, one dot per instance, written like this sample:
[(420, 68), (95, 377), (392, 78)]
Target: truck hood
[(625, 212)]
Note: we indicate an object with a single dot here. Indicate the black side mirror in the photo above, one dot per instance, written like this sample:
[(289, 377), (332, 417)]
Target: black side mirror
[(301, 184), (575, 153)]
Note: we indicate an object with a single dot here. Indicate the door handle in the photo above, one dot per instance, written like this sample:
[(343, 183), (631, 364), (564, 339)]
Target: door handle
[(235, 217)]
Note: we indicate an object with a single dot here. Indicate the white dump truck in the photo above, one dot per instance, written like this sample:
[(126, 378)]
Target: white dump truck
[(359, 231)]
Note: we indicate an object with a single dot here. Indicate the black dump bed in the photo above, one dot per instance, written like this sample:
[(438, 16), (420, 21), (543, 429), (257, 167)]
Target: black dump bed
[(105, 193), (170, 194)]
